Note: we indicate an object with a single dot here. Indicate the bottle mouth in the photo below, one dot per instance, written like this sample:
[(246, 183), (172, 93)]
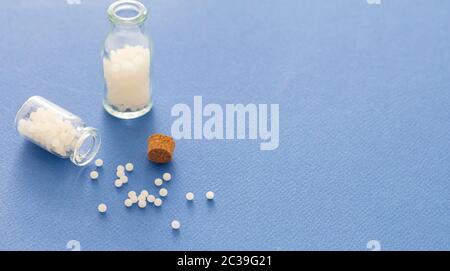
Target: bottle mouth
[(86, 147), (127, 12)]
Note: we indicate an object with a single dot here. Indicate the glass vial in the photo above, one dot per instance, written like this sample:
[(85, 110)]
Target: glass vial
[(57, 130), (126, 61)]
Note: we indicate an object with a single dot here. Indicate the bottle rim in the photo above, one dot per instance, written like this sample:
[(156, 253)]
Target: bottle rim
[(127, 5), (86, 147)]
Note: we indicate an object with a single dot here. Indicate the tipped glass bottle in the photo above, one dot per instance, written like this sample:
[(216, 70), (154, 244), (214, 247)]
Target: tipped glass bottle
[(127, 61), (57, 130)]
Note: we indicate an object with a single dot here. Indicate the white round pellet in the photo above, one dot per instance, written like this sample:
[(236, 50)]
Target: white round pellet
[(142, 197), (175, 224), (142, 203), (210, 195), (102, 208), (124, 179), (163, 192), (157, 202), (120, 174), (166, 176), (129, 167), (134, 199), (99, 163), (158, 182), (190, 196), (128, 202), (120, 168), (93, 175), (151, 198), (118, 183), (144, 193), (132, 194)]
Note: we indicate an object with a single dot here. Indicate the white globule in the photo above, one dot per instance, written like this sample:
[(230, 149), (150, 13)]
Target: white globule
[(142, 203), (124, 179), (158, 181), (93, 175), (99, 162), (210, 195), (134, 199), (190, 196), (47, 128), (118, 183), (120, 174), (128, 202), (167, 176), (129, 166), (102, 208), (163, 192), (175, 224), (157, 202), (151, 198), (142, 197), (127, 76)]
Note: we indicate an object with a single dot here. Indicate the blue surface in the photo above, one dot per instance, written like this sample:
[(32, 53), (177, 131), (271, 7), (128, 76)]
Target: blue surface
[(364, 94)]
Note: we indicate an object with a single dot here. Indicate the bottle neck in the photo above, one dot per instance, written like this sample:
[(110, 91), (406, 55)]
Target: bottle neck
[(127, 28), (85, 146)]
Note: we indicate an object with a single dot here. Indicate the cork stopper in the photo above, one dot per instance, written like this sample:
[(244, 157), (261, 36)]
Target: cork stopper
[(160, 148)]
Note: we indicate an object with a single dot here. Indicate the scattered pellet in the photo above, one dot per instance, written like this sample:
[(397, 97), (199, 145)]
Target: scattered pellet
[(160, 148), (102, 208), (144, 193), (120, 174), (190, 196), (124, 179), (93, 175), (132, 194), (142, 203), (158, 181), (210, 195), (98, 162), (151, 198), (120, 168), (158, 202), (134, 199), (163, 192), (175, 224), (128, 202), (118, 183), (142, 197), (129, 167), (167, 176)]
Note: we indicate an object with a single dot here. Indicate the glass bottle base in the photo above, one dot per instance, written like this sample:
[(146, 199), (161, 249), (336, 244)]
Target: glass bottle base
[(127, 114)]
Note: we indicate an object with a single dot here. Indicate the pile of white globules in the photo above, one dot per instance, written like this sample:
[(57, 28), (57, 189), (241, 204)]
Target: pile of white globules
[(144, 198), (49, 129), (127, 76)]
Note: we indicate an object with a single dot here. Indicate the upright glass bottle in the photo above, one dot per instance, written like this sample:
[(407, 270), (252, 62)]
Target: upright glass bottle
[(127, 61)]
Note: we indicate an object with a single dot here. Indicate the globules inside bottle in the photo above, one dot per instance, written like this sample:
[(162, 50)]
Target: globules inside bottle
[(57, 130), (127, 61)]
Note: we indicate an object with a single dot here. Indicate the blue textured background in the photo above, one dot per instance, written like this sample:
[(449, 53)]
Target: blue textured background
[(364, 126)]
